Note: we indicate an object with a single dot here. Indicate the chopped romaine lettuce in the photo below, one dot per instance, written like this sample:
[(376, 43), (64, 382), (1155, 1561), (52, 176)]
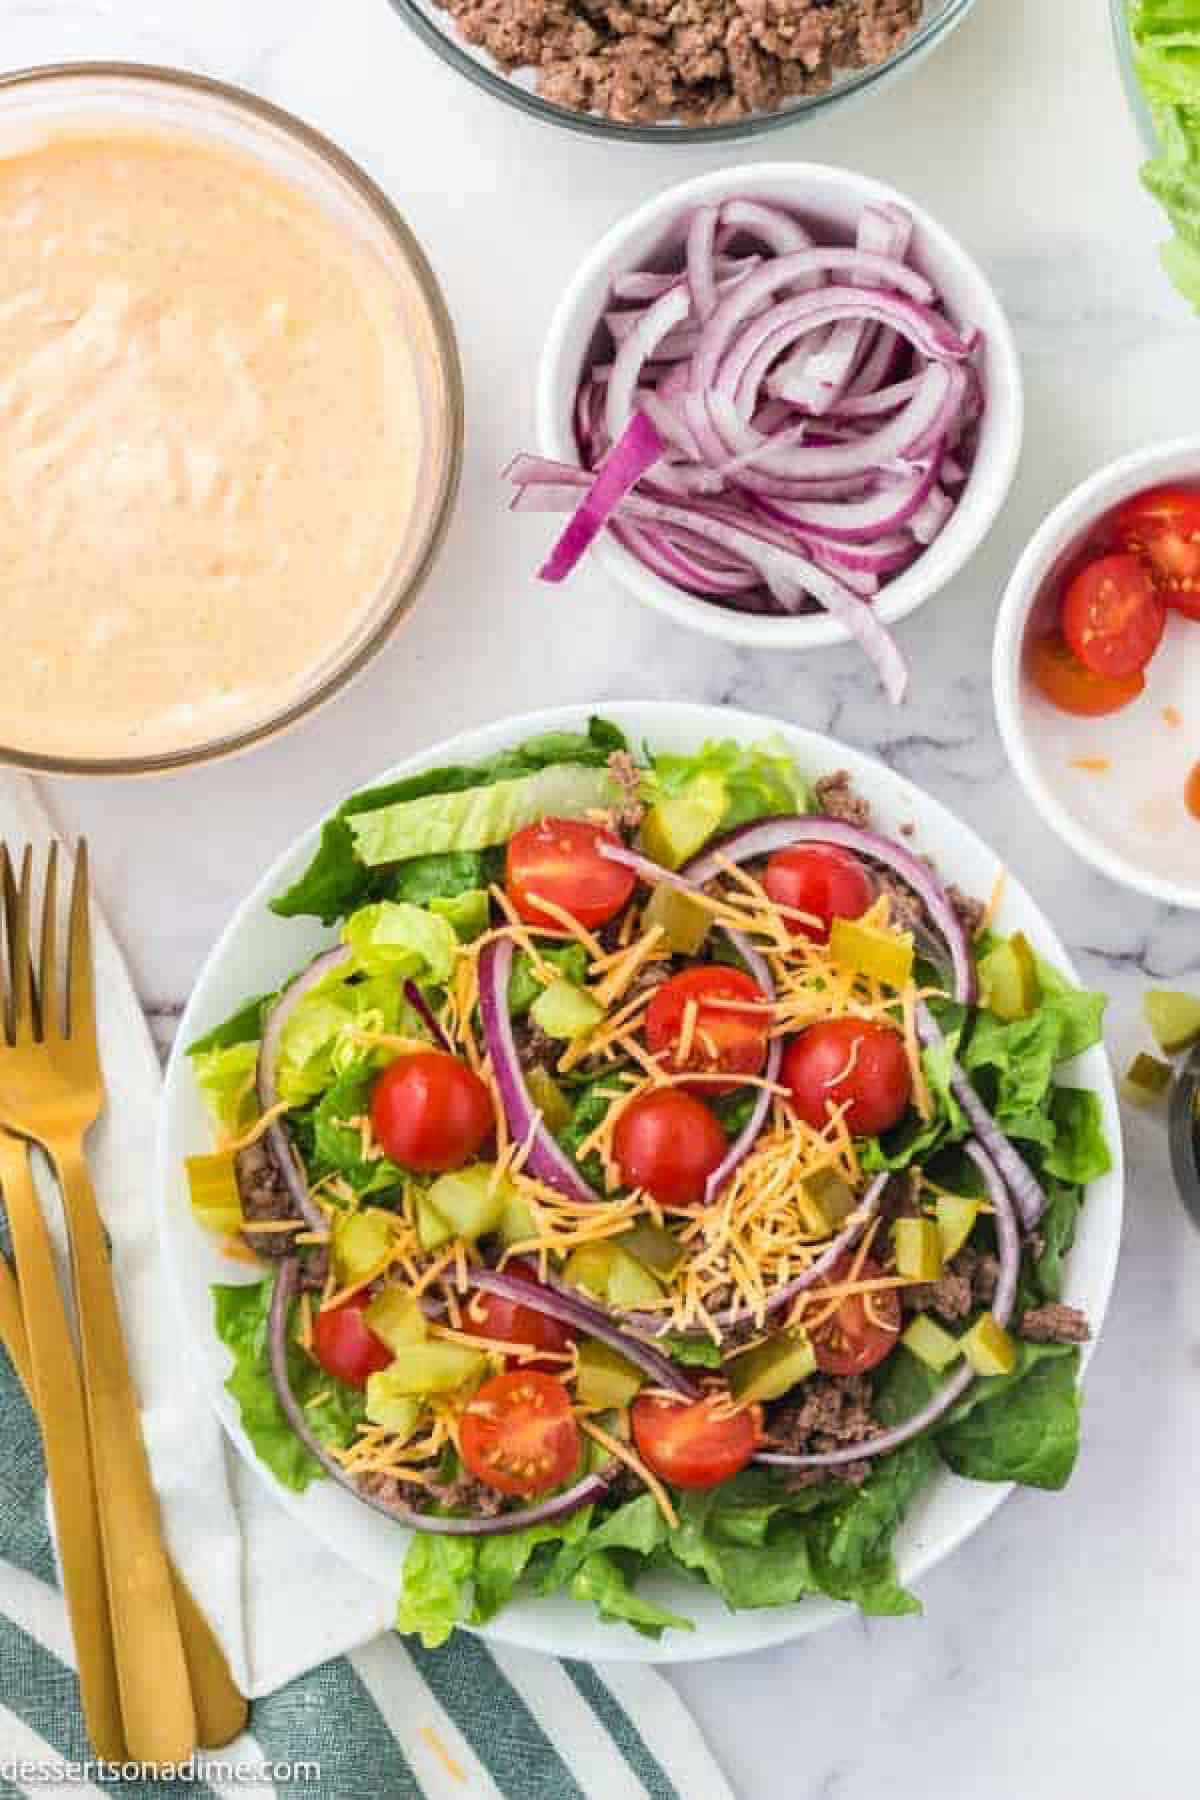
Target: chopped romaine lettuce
[(1166, 39), (395, 938), (225, 1077), (475, 818), (758, 781)]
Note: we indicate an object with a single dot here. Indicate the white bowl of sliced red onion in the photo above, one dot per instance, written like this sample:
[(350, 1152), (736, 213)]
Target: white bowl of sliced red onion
[(781, 405)]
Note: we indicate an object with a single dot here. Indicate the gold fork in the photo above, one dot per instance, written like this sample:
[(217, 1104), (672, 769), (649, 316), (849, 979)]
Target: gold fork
[(221, 1709), (52, 1093)]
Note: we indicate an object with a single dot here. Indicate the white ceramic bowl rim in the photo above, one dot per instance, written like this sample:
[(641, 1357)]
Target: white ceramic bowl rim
[(1070, 520), (802, 185), (257, 948)]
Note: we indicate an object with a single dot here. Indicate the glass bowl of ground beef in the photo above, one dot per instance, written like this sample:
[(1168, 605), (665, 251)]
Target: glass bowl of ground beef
[(679, 70)]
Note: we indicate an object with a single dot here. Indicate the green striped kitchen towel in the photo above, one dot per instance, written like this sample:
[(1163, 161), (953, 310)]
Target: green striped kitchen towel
[(342, 1706)]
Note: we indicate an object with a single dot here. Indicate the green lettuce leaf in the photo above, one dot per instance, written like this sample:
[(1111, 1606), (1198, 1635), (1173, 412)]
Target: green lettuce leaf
[(475, 818), (397, 939), (1028, 1431), (1166, 38), (242, 1027), (468, 913), (603, 1581), (759, 781), (435, 1586), (225, 1077), (336, 1147), (333, 1410), (337, 881)]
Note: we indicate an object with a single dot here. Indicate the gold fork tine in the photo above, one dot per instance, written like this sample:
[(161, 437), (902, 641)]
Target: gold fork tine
[(81, 1008), (47, 988), (21, 1023)]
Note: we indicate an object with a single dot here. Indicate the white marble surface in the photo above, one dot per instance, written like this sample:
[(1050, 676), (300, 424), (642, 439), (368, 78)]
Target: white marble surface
[(1058, 1652)]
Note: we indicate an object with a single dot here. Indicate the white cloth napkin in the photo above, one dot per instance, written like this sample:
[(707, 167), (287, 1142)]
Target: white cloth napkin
[(279, 1602)]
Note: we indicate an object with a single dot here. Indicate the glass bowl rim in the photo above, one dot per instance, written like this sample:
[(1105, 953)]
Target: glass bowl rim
[(396, 601), (447, 46)]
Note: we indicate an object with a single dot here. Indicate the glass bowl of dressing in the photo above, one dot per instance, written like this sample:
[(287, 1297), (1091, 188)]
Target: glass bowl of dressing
[(231, 418)]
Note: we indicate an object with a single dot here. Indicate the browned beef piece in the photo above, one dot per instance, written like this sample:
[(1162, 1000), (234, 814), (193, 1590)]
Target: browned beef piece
[(970, 912), (314, 1269), (968, 1282), (464, 1494), (907, 911), (695, 61), (830, 1411), (534, 1048), (628, 777), (1055, 1324), (837, 798), (265, 1198)]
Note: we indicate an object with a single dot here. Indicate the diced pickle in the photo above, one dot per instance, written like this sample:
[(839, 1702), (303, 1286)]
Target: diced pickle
[(685, 923), (1174, 1019), (653, 1246), (988, 1347), (612, 1275), (675, 828), (432, 1230), (956, 1216), (397, 1413), (565, 1011), (918, 1249), (1008, 979), (825, 1200), (883, 956), (1146, 1080), (212, 1183), (434, 1368), (548, 1097), (630, 1283), (361, 1241), (936, 1348), (516, 1221), (470, 1200), (396, 1317), (773, 1367), (606, 1378)]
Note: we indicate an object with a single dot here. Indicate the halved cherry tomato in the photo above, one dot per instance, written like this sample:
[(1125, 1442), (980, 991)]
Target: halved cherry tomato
[(696, 1444), (344, 1345), (669, 1144), (856, 1063), (558, 861), (518, 1433), (430, 1112), (821, 880), (1113, 615), (1163, 527), (492, 1316), (1058, 673), (723, 1040), (853, 1341)]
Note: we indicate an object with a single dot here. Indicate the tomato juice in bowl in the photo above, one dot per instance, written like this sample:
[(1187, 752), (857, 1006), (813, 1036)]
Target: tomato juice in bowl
[(1097, 671)]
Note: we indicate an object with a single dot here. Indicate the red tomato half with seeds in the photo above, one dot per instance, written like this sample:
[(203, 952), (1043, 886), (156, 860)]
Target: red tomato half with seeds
[(668, 1144), (864, 1329), (696, 1444), (560, 861), (518, 1433), (1163, 527), (1113, 615), (345, 1346), (725, 1013), (821, 880), (430, 1112), (856, 1063), (492, 1316)]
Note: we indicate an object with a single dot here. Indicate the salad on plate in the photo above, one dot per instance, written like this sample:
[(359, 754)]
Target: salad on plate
[(660, 1170)]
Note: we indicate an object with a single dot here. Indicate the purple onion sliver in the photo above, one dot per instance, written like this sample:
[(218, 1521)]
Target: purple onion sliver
[(427, 1016), (558, 1301)]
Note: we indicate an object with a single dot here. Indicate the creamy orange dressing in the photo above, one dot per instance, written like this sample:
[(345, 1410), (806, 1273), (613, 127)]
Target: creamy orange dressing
[(210, 433)]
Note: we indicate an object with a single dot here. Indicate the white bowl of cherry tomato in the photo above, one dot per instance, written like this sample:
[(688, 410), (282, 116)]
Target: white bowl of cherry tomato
[(1096, 671)]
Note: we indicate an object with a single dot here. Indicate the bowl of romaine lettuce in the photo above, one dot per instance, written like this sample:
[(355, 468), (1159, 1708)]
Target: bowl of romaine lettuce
[(1158, 48)]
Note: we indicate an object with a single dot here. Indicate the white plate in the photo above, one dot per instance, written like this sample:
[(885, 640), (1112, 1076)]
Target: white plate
[(258, 950)]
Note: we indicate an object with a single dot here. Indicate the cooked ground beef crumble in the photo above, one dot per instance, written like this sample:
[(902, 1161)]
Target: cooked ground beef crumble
[(698, 62)]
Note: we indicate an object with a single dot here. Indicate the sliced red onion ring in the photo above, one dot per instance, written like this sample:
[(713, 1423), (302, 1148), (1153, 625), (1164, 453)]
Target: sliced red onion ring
[(748, 1136), (1020, 1179), (1009, 1244), (278, 1137), (639, 448), (660, 318), (768, 835), (558, 1301), (547, 1160), (556, 1506)]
